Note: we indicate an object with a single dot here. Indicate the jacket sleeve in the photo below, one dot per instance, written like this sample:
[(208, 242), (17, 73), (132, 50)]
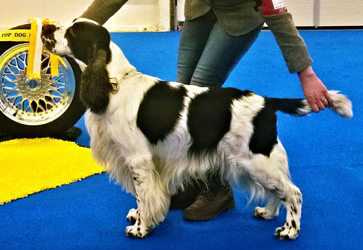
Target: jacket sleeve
[(101, 10), (289, 40)]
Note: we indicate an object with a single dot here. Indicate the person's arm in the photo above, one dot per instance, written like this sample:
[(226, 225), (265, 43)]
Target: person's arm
[(297, 56), (101, 10), (290, 42)]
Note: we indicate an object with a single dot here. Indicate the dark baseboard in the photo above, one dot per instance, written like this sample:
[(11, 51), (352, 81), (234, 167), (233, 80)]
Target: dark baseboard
[(71, 134), (327, 28)]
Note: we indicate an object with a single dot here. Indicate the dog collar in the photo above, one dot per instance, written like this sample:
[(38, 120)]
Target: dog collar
[(116, 80)]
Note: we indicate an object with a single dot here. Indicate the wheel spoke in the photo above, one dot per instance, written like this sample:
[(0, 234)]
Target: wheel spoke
[(9, 89), (8, 79), (49, 103), (13, 99), (10, 73), (45, 57)]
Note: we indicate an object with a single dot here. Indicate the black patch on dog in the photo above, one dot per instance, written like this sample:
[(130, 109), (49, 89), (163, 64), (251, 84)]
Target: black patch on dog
[(264, 135), (293, 224), (90, 43), (95, 84), (209, 118), (160, 110), (294, 209), (286, 105), (85, 38), (286, 237), (280, 230)]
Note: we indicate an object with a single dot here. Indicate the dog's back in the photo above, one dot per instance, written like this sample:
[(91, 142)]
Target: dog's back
[(190, 129)]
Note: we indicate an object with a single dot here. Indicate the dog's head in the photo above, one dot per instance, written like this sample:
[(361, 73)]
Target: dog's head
[(88, 42), (82, 40)]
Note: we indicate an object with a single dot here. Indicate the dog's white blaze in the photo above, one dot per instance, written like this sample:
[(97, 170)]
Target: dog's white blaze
[(61, 44)]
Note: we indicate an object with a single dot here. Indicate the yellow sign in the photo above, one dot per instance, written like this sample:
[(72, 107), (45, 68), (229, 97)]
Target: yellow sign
[(33, 37), (15, 36)]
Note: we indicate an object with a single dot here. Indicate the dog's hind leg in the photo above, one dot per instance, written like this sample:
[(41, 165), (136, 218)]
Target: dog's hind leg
[(271, 210), (292, 199), (285, 192), (271, 172), (152, 199)]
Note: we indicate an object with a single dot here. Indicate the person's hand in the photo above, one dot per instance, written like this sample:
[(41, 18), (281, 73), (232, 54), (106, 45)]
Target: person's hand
[(314, 89)]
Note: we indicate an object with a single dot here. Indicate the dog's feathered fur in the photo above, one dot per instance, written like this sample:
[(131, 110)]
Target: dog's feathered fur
[(155, 136)]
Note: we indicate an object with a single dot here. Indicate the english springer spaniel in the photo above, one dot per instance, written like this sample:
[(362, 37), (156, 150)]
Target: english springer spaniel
[(154, 136)]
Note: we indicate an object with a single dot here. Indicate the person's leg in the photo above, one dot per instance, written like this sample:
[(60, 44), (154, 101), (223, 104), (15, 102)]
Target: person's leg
[(202, 46), (220, 55), (193, 39), (192, 42)]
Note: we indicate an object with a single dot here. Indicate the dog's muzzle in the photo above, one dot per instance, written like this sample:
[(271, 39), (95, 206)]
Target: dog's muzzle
[(48, 37)]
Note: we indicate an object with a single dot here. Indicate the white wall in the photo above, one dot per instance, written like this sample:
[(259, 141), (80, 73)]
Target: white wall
[(302, 12), (341, 12), (329, 12), (136, 15)]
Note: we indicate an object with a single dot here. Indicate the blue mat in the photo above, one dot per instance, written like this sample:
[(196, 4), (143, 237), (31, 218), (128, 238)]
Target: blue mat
[(325, 152)]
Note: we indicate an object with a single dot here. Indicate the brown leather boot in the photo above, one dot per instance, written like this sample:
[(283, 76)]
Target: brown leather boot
[(210, 203), (186, 197)]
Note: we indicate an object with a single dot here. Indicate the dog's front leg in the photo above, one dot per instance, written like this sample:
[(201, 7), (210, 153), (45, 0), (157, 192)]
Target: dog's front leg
[(152, 199)]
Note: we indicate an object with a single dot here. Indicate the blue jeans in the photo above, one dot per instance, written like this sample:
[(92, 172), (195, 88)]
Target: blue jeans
[(207, 54)]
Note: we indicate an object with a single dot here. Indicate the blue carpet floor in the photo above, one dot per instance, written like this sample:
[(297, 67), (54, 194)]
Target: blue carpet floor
[(325, 152)]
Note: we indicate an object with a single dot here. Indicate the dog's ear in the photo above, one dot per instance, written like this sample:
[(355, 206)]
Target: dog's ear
[(95, 83)]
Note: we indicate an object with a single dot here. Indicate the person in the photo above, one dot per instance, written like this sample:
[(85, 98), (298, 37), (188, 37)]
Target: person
[(215, 36)]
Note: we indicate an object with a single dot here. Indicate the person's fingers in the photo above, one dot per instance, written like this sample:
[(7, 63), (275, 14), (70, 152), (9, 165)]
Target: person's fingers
[(320, 104), (315, 107), (323, 98), (327, 97), (325, 102), (312, 103)]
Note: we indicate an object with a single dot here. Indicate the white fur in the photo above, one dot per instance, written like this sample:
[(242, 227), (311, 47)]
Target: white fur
[(153, 173), (61, 45), (164, 168)]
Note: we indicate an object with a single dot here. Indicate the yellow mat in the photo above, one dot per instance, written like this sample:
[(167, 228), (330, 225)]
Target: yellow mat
[(28, 166)]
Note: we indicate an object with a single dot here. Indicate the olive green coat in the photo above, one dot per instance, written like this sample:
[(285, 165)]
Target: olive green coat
[(237, 17)]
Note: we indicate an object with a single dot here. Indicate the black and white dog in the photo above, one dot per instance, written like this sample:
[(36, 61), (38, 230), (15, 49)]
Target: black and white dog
[(154, 136)]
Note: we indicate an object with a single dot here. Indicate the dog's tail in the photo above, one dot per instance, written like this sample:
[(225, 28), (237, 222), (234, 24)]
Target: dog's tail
[(300, 107)]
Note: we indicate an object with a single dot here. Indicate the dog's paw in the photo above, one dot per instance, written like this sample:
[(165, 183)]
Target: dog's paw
[(137, 231), (264, 213), (132, 216), (287, 232)]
